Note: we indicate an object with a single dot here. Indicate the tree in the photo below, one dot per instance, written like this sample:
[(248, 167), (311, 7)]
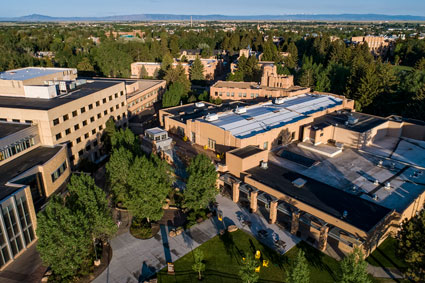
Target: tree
[(198, 266), (126, 139), (173, 95), (247, 271), (203, 96), (85, 65), (292, 60), (62, 243), (411, 246), (299, 271), (201, 185), (197, 70), (117, 170), (178, 74), (149, 184), (353, 268), (144, 73), (167, 62)]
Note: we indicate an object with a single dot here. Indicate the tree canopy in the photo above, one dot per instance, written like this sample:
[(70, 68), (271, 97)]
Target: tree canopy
[(299, 271), (353, 268)]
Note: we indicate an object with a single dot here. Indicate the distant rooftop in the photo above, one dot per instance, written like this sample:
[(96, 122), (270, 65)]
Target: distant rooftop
[(143, 83), (361, 213), (264, 117), (8, 128), (46, 104), (29, 73)]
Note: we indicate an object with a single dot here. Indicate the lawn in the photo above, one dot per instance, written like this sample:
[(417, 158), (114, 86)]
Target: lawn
[(223, 255), (385, 255)]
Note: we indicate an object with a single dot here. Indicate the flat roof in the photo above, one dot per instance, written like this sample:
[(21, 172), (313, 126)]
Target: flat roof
[(8, 128), (143, 84), (19, 165), (361, 213), (155, 131), (29, 73), (46, 104), (261, 118), (246, 151), (339, 118), (253, 86)]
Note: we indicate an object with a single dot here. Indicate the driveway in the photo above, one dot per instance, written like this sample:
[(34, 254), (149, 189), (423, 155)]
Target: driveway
[(134, 260)]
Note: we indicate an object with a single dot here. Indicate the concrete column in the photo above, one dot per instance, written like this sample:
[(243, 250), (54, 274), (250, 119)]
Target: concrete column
[(273, 212), (235, 188), (295, 222), (323, 238), (254, 206)]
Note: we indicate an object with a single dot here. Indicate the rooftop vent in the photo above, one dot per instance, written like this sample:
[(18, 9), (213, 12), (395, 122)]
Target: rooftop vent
[(388, 185), (240, 110), (211, 117), (299, 183), (199, 104), (375, 197), (345, 214), (264, 165), (279, 100), (352, 120)]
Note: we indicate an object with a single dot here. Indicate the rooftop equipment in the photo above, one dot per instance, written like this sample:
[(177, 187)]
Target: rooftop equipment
[(199, 104), (211, 117), (279, 100), (299, 183), (240, 110)]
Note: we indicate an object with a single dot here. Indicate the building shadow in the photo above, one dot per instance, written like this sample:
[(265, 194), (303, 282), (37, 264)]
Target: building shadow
[(165, 244), (146, 272)]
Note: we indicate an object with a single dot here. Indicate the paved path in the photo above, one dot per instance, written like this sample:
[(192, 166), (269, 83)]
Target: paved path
[(134, 260), (382, 272)]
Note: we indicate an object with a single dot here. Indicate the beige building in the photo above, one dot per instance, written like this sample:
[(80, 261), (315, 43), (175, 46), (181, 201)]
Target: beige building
[(234, 125), (133, 33), (378, 45), (72, 112), (30, 172)]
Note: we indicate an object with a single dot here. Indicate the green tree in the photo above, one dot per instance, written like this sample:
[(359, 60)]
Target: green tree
[(353, 268), (149, 184), (167, 62), (201, 185), (247, 271), (198, 266), (299, 271), (411, 246), (197, 70), (292, 60), (117, 169), (178, 74), (85, 65), (144, 73), (127, 139), (173, 95), (203, 96), (63, 243)]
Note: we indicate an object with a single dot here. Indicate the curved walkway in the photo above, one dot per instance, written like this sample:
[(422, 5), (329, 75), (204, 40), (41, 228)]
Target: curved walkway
[(134, 260)]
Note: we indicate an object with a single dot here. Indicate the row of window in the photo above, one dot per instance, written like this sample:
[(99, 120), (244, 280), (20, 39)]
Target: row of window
[(16, 120), (58, 172), (143, 98), (146, 106), (83, 109), (87, 149), (86, 136), (16, 148), (240, 94), (92, 119)]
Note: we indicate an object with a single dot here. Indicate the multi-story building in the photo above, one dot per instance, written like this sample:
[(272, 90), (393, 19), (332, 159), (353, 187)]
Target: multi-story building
[(378, 45), (30, 172), (272, 85), (67, 110), (133, 33)]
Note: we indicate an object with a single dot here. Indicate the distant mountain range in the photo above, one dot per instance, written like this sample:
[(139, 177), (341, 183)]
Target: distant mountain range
[(172, 17)]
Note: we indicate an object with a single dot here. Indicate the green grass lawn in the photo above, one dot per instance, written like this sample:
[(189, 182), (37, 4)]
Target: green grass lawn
[(385, 255), (223, 255)]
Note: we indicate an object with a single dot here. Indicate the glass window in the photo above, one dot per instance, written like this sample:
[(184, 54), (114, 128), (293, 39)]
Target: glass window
[(76, 127), (265, 145), (97, 103), (58, 136), (65, 117), (99, 115), (67, 131), (91, 119), (104, 100), (55, 121), (90, 106), (74, 113), (83, 109), (84, 123)]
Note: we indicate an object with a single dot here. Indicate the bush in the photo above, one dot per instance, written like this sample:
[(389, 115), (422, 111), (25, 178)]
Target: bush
[(142, 229)]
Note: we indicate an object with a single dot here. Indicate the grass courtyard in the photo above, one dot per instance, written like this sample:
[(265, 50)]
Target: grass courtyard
[(385, 256), (223, 256)]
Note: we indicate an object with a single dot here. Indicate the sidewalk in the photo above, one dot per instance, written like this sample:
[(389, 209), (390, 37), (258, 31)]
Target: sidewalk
[(133, 259)]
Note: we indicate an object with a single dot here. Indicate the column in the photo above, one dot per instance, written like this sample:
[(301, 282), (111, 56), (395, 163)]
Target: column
[(235, 188), (323, 238), (295, 222), (273, 212), (254, 195)]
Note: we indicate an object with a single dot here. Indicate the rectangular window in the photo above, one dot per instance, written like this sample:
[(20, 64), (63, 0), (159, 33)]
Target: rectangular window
[(91, 119), (76, 127), (122, 93), (67, 131), (97, 103), (65, 117), (265, 145), (93, 131), (104, 100), (111, 109), (28, 121), (105, 112), (55, 122), (122, 103), (90, 106), (117, 106), (116, 95), (99, 115), (84, 123), (78, 140), (18, 121), (100, 127), (86, 135), (58, 172), (58, 136), (83, 109), (74, 113), (110, 97), (211, 144)]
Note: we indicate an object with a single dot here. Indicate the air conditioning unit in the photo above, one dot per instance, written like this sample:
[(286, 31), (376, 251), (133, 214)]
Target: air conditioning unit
[(199, 104), (279, 100), (264, 165), (211, 117), (240, 110)]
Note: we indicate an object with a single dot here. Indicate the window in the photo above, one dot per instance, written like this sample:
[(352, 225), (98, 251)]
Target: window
[(67, 131), (266, 145), (100, 127), (17, 121), (321, 134), (58, 136), (97, 103), (78, 140), (17, 147), (80, 153), (58, 172), (28, 121), (117, 106), (83, 109), (84, 123), (116, 95), (93, 131), (110, 97), (88, 147), (228, 94), (11, 225), (3, 119), (252, 95), (65, 117), (193, 137), (55, 122), (211, 144), (90, 106), (122, 93), (99, 115), (244, 94), (105, 112), (76, 127), (111, 109), (74, 113), (92, 119), (104, 100), (24, 218), (122, 103), (86, 135)]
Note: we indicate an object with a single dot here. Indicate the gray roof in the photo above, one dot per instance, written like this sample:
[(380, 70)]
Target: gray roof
[(7, 128), (29, 73)]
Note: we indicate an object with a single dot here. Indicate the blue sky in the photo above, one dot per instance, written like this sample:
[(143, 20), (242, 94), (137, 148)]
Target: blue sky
[(225, 7)]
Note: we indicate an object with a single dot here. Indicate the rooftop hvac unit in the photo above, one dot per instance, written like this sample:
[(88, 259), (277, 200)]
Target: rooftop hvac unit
[(199, 104), (352, 120), (264, 164), (388, 185), (72, 85), (62, 86), (240, 110), (211, 117), (345, 214), (299, 183), (279, 100)]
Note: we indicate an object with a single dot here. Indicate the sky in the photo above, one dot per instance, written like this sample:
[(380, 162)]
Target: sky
[(86, 8)]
